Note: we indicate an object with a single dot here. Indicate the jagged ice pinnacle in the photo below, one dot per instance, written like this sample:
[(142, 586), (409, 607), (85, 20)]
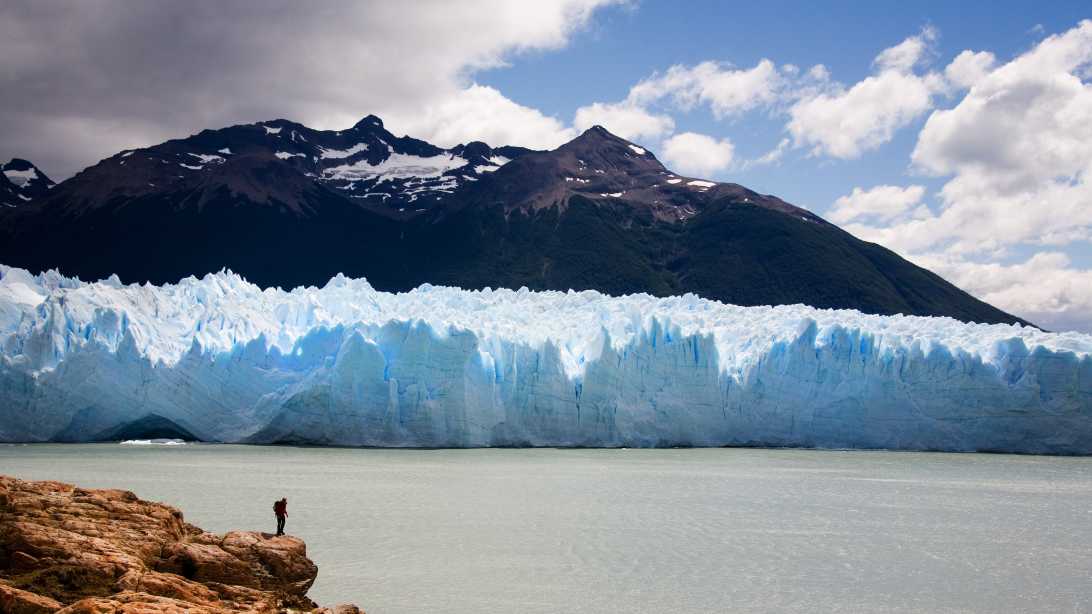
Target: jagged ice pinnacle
[(346, 364)]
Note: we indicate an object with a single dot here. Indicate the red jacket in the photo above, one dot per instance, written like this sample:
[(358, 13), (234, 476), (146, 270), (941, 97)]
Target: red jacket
[(280, 508)]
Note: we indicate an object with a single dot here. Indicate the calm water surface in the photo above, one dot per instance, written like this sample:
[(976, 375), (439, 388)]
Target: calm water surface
[(490, 531)]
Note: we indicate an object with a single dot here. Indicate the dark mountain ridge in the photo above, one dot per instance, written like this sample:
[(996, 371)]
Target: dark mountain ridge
[(285, 205)]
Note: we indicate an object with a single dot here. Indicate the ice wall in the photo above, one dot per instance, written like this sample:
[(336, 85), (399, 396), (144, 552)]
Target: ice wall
[(346, 364)]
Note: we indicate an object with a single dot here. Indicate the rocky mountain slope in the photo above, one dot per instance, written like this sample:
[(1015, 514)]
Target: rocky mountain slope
[(285, 205), (77, 551)]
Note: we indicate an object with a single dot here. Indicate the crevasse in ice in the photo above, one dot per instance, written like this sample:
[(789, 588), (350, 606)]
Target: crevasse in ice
[(346, 364)]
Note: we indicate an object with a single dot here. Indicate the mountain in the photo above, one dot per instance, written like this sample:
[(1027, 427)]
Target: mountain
[(285, 165), (285, 205), (21, 182)]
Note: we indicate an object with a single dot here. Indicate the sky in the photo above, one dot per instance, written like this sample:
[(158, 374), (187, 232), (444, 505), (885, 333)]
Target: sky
[(957, 134)]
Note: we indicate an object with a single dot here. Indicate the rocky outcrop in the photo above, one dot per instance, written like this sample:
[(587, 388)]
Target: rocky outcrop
[(72, 550)]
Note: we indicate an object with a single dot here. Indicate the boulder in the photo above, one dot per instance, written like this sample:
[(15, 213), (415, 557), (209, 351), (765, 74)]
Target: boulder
[(18, 601), (73, 550)]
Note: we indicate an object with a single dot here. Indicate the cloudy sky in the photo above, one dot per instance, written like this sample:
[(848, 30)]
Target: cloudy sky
[(957, 134)]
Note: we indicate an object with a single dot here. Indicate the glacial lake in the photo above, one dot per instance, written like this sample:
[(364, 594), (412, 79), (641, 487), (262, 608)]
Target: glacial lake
[(674, 531)]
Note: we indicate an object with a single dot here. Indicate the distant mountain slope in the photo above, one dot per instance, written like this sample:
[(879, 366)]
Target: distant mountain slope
[(285, 205)]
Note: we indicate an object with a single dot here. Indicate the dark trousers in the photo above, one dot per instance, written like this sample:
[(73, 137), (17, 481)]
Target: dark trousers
[(280, 524)]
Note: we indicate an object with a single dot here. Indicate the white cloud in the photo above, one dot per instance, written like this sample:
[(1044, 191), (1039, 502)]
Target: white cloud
[(969, 67), (480, 113), (770, 157), (697, 154), (200, 65), (625, 119), (727, 90), (904, 56), (1044, 289), (1017, 154), (846, 123), (881, 203), (1018, 149)]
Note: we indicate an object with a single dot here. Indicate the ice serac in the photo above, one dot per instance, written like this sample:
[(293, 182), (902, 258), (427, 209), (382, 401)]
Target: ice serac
[(225, 360)]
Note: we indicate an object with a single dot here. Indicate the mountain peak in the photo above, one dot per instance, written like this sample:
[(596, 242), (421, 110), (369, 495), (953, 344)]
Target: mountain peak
[(21, 182), (597, 135), (371, 121), (18, 164), (599, 144)]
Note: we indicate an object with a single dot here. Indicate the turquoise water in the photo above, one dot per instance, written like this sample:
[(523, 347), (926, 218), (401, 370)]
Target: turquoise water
[(703, 530)]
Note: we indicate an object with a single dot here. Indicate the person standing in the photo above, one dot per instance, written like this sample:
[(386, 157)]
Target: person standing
[(280, 510)]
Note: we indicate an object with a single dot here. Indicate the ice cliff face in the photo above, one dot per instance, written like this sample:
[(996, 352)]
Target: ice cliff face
[(346, 364)]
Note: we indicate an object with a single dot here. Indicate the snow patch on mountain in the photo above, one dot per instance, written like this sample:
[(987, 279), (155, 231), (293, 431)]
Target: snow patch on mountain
[(20, 177), (343, 153), (207, 158), (397, 166)]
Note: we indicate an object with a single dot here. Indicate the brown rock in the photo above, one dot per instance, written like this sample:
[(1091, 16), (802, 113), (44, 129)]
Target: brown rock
[(17, 601), (109, 552), (22, 560), (344, 608), (138, 603)]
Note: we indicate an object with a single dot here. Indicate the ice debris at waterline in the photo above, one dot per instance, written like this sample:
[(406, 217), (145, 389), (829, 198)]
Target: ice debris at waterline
[(223, 360)]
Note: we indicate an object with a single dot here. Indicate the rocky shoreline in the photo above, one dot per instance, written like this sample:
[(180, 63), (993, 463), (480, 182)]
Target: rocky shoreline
[(80, 551)]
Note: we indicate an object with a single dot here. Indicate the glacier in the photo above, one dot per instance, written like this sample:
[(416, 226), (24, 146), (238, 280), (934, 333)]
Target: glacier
[(346, 364)]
